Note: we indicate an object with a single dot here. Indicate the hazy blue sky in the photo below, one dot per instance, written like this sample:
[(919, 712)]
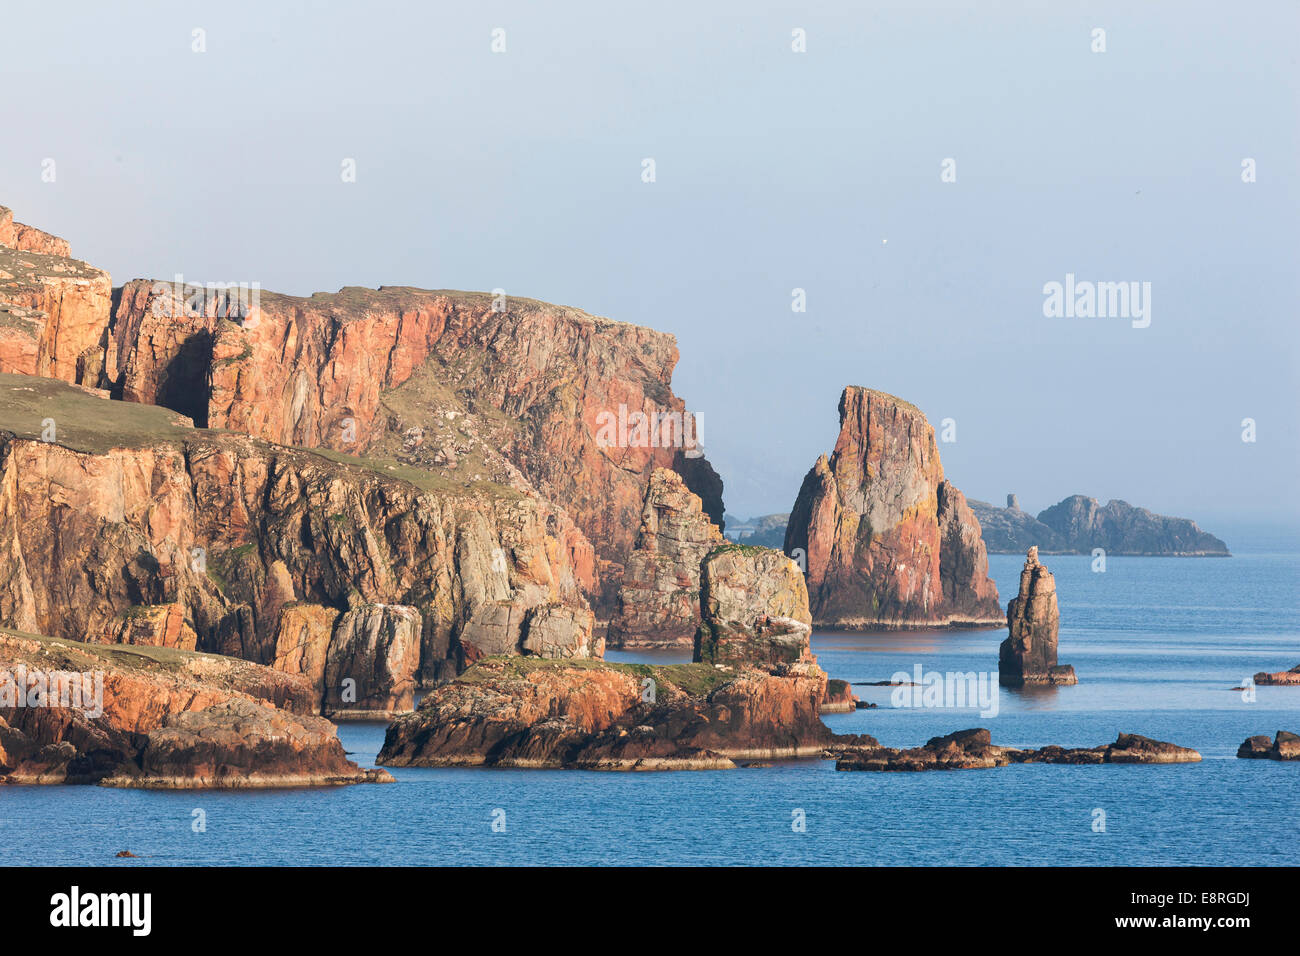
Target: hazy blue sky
[(775, 170)]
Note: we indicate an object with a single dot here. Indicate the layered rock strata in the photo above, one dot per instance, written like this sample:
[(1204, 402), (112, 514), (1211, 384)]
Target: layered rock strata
[(1028, 655), (73, 713), (888, 541), (132, 526)]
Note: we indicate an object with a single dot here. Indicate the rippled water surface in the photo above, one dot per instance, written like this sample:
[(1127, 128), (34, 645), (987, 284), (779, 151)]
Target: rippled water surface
[(1157, 644)]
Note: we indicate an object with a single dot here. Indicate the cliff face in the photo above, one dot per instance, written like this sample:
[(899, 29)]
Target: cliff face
[(755, 691), (1079, 524), (887, 540), (144, 717), (53, 309), (659, 601), (459, 384), (1028, 655), (135, 524)]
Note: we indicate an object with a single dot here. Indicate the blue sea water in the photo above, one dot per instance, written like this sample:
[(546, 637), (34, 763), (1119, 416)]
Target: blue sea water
[(1158, 643)]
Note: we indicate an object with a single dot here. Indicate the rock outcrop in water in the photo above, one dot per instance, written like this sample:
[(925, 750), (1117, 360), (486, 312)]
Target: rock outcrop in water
[(888, 541), (159, 718), (659, 601), (1280, 678), (1028, 655), (974, 749), (1284, 746), (132, 525), (759, 701), (1079, 524)]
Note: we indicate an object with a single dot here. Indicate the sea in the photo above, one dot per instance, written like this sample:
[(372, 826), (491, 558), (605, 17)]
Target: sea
[(1159, 644)]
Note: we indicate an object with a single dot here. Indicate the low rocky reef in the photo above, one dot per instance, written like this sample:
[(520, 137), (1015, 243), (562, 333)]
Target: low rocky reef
[(1078, 524), (753, 692), (1028, 655), (1279, 678), (1284, 746), (974, 749), (160, 718)]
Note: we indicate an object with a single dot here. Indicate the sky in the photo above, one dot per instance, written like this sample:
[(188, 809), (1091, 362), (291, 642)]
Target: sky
[(774, 170)]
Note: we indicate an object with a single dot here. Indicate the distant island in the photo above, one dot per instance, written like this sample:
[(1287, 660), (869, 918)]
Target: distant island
[(1074, 526), (1079, 524)]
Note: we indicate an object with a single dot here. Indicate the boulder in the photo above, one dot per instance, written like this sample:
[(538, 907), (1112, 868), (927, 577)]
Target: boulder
[(974, 749), (754, 609)]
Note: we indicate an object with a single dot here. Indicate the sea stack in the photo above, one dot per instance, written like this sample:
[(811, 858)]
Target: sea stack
[(1028, 655), (888, 541)]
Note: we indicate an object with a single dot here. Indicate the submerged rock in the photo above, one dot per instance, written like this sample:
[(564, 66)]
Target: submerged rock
[(889, 542), (1285, 746), (1028, 655)]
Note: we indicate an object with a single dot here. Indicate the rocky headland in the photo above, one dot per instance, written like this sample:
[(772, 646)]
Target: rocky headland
[(162, 718), (1078, 525), (888, 541), (754, 691), (1028, 655)]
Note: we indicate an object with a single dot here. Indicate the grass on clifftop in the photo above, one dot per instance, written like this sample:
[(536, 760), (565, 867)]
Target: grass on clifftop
[(694, 679), (122, 655), (88, 422)]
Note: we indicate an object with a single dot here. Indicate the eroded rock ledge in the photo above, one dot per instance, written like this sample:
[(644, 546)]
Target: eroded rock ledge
[(974, 749), (162, 718)]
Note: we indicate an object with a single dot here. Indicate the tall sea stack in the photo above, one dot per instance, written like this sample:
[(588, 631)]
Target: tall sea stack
[(1028, 655), (888, 541)]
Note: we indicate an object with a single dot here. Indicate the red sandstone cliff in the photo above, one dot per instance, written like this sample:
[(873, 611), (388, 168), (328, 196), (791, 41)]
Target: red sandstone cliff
[(887, 540), (455, 383), (53, 309)]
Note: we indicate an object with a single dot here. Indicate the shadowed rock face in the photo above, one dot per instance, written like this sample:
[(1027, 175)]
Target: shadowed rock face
[(888, 541), (974, 749), (53, 309), (1028, 655), (163, 719), (659, 601), (756, 693), (452, 382), (1285, 746), (134, 527)]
